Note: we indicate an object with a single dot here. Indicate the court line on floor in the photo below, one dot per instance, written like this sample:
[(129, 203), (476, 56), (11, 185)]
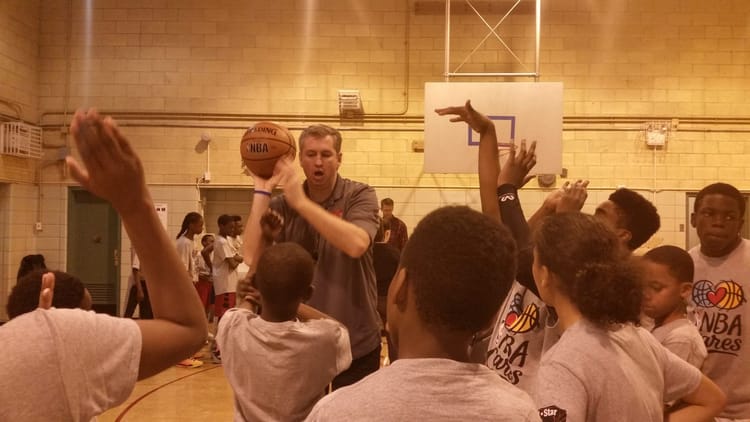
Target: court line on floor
[(148, 393)]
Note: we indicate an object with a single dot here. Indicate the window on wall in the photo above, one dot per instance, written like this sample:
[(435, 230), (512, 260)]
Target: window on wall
[(691, 237)]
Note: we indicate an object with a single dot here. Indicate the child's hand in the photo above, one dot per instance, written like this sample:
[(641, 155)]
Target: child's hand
[(47, 293), (518, 165), (271, 224), (247, 292), (112, 169), (466, 113), (573, 196)]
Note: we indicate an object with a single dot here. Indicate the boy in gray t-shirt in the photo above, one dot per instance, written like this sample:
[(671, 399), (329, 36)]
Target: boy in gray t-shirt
[(666, 289), (721, 308), (280, 361), (456, 268)]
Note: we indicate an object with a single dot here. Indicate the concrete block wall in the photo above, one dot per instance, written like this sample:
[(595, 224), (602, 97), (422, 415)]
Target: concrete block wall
[(19, 75), (643, 60)]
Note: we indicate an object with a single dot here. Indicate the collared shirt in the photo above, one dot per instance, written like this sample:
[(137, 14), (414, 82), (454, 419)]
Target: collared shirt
[(345, 287), (399, 235)]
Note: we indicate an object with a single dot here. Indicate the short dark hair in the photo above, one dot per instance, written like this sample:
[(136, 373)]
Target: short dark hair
[(594, 271), (321, 131), (461, 265), (638, 216), (236, 218), (30, 263), (224, 219), (68, 292), (678, 262), (386, 201), (285, 272), (721, 189), (206, 237)]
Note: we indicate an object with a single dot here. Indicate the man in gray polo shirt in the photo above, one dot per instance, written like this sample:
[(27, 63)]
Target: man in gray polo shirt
[(335, 219)]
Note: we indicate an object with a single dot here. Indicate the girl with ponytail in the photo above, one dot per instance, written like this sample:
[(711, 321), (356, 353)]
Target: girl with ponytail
[(192, 224), (605, 367)]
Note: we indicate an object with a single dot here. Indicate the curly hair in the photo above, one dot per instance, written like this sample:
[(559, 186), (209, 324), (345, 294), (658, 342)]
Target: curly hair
[(69, 292), (285, 272), (595, 272), (720, 189), (638, 216), (461, 265)]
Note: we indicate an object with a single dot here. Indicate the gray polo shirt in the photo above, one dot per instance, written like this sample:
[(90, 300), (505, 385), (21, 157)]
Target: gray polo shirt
[(345, 287)]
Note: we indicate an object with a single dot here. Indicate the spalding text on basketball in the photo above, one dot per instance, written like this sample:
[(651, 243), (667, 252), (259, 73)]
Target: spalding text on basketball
[(264, 129)]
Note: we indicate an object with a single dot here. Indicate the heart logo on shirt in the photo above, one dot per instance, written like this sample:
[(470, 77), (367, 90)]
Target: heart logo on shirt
[(726, 294), (715, 297)]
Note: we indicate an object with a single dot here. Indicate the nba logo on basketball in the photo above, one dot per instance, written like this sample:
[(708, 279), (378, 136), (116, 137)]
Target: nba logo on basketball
[(257, 148)]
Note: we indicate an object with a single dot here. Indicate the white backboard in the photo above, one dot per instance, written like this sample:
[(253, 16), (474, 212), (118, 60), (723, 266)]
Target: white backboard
[(520, 110)]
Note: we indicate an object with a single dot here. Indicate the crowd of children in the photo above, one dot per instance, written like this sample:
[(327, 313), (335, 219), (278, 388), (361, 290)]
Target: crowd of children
[(489, 317)]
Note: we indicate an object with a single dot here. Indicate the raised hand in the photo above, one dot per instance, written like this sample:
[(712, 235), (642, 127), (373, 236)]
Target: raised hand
[(269, 184), (112, 169), (466, 113), (573, 196), (516, 168), (48, 290)]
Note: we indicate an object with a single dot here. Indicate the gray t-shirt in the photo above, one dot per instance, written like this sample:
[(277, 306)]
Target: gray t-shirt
[(525, 328), (428, 390), (345, 287), (66, 364), (593, 374), (682, 338), (279, 370), (722, 314)]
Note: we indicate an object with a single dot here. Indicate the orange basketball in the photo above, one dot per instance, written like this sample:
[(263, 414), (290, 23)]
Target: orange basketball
[(263, 144)]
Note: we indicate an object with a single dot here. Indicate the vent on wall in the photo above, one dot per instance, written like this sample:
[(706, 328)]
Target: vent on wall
[(21, 140), (350, 104)]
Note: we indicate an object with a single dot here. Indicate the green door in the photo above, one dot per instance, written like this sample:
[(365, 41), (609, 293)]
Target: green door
[(94, 248)]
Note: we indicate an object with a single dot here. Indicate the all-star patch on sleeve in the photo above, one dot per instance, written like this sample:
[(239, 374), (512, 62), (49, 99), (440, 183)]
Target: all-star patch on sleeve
[(553, 414)]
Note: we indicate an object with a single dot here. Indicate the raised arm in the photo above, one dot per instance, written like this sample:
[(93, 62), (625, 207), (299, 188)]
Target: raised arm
[(512, 177), (253, 242), (114, 172), (344, 235), (488, 164)]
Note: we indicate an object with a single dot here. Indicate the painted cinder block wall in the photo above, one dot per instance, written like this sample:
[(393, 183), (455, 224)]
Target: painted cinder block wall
[(621, 64)]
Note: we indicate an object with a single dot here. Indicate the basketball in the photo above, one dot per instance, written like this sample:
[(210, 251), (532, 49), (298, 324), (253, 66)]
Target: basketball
[(263, 144), (732, 295)]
